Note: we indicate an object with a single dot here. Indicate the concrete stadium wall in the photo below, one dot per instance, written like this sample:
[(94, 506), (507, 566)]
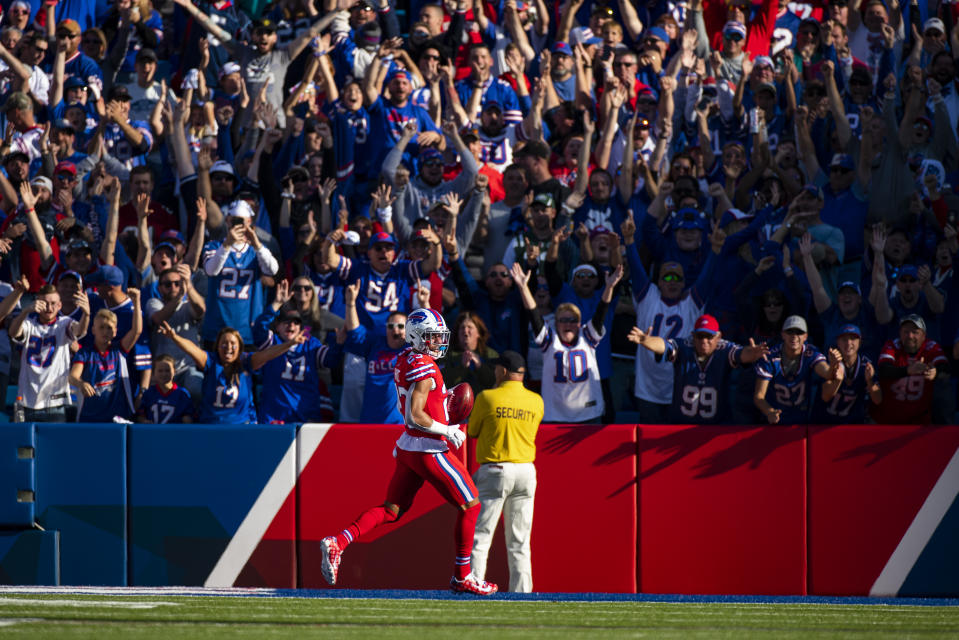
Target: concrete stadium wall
[(847, 510)]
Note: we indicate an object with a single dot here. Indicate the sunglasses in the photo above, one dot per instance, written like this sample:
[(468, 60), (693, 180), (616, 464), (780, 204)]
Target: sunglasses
[(672, 277), (735, 37), (433, 163), (291, 320), (842, 170), (585, 275), (498, 274), (383, 247), (624, 64), (772, 303), (222, 177), (66, 177), (395, 325), (567, 320), (908, 279), (42, 50), (67, 36), (303, 287), (431, 56), (171, 283)]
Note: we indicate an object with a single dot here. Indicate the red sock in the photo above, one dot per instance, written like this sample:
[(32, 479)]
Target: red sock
[(368, 520), (465, 528)]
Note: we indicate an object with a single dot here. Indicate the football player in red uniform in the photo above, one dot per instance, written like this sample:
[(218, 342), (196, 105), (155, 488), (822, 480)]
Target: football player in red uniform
[(422, 454), (908, 366)]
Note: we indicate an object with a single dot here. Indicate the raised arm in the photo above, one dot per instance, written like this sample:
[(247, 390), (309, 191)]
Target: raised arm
[(129, 340), (196, 353), (33, 223), (261, 357), (144, 245), (109, 246), (820, 298), (877, 295), (646, 340), (204, 21)]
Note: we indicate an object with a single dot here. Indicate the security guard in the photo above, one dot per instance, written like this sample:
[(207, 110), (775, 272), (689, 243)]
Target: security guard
[(504, 422)]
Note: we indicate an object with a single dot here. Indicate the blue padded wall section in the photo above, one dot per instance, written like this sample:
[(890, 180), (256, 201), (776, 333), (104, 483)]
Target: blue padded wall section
[(191, 487), (30, 557), (17, 479), (82, 492)]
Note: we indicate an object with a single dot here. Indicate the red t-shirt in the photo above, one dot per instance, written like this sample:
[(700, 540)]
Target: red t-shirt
[(161, 219)]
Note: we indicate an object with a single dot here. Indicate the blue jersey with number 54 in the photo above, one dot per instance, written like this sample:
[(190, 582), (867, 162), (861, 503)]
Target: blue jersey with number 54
[(234, 296)]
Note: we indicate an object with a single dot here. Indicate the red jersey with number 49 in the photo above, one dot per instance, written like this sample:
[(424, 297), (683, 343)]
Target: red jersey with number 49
[(411, 368), (907, 400)]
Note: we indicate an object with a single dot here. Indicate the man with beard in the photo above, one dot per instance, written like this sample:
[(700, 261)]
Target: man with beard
[(427, 186), (908, 366), (534, 157), (505, 217), (32, 229)]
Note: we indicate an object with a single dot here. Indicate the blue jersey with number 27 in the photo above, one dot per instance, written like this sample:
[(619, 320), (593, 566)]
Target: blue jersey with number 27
[(790, 391)]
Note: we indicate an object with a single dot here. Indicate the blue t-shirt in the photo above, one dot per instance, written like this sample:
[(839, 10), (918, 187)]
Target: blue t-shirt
[(227, 401), (166, 408)]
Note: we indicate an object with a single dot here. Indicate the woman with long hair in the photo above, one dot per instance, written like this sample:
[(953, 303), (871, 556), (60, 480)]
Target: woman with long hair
[(469, 359), (300, 296), (228, 373)]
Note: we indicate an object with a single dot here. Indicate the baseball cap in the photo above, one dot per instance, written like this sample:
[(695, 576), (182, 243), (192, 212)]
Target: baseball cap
[(843, 160), (72, 274), (924, 120), (291, 314), (64, 125), (119, 92), (934, 23), (74, 82), (369, 35), (915, 319), (228, 68), (238, 209), (734, 26), (511, 361), (172, 235), (397, 73), (732, 215), (850, 330), (264, 24), (908, 271), (65, 165), (544, 199), (382, 237), (813, 190), (69, 25), (146, 54), (106, 274), (222, 166), (42, 181), (563, 48), (600, 230), (165, 245), (795, 323), (706, 324), (768, 86), (492, 104), (849, 284), (763, 61), (657, 32)]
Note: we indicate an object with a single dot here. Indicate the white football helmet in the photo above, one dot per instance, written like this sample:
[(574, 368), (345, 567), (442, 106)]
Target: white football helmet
[(426, 331)]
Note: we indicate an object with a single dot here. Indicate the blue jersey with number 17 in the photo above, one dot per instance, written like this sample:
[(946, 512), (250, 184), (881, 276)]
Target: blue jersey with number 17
[(790, 391), (234, 296), (227, 401)]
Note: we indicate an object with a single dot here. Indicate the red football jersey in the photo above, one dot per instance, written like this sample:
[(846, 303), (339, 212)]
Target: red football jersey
[(411, 367), (907, 400)]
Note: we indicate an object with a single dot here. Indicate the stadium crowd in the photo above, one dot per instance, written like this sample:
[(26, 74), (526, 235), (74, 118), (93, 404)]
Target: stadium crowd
[(219, 212)]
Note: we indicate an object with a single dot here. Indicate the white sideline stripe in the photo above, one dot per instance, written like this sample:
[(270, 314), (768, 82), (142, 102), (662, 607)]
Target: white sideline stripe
[(917, 536), (120, 604), (139, 591), (271, 498)]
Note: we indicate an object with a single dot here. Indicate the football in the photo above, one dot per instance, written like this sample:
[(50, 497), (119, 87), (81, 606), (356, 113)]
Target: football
[(459, 403)]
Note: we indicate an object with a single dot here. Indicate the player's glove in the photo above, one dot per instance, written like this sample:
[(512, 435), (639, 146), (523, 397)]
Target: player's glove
[(456, 436)]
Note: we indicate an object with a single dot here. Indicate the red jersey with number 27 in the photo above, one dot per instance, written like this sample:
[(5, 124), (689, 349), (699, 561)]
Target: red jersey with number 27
[(907, 400), (411, 368)]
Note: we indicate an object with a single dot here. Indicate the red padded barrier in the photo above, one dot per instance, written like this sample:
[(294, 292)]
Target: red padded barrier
[(349, 473), (722, 510), (866, 484), (585, 495)]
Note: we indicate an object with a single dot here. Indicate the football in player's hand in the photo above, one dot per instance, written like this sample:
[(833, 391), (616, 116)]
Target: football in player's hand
[(460, 403)]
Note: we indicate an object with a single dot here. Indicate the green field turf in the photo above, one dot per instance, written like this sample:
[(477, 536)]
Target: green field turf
[(119, 616)]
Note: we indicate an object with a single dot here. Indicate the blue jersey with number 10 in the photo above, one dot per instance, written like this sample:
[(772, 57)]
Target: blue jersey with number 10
[(234, 296)]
